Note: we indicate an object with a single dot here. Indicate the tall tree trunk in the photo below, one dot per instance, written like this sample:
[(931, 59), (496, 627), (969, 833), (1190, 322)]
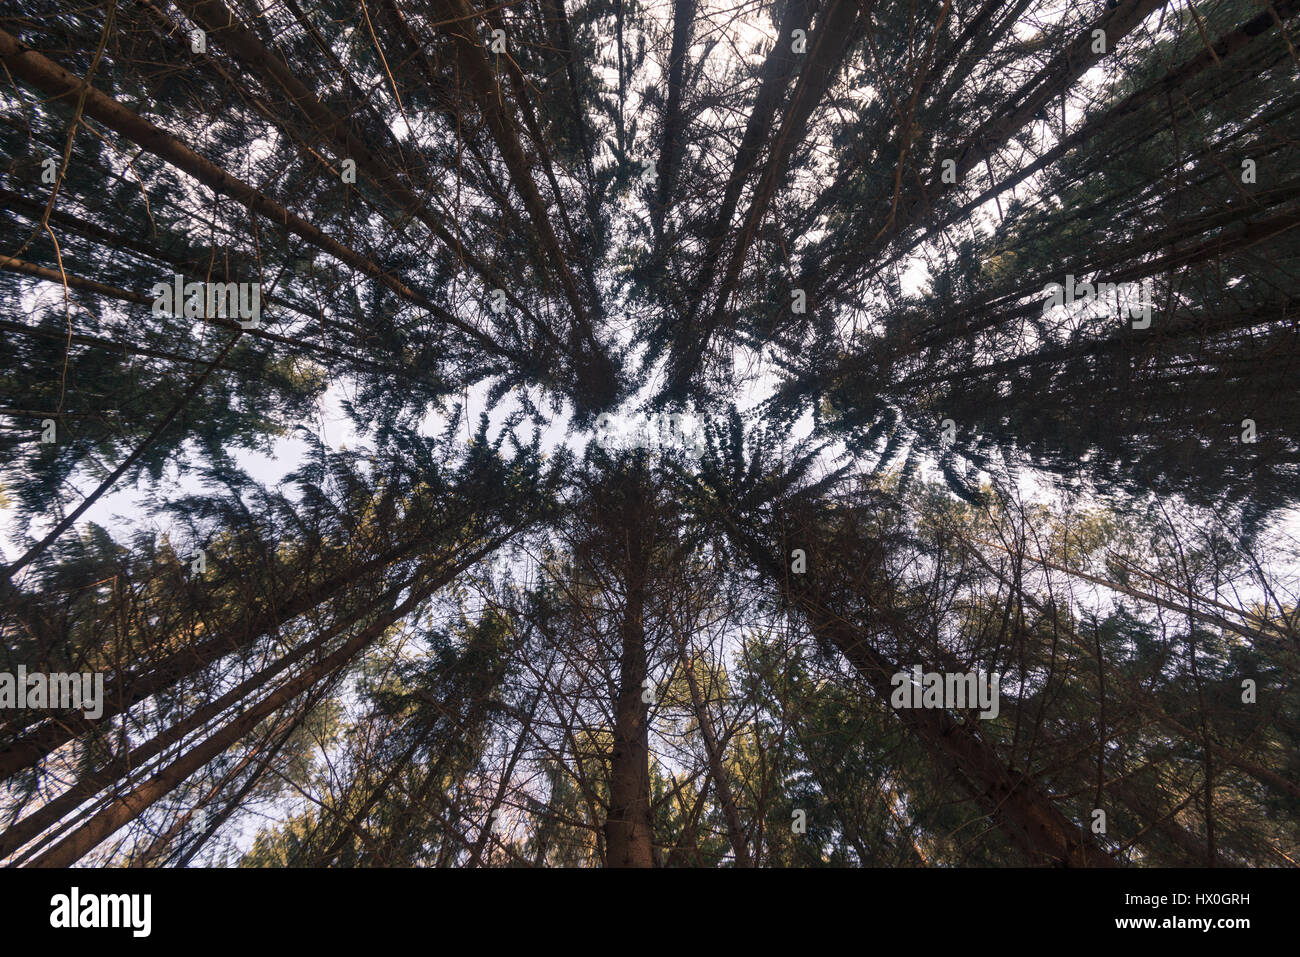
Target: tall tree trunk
[(627, 828), (735, 831), (130, 806), (1023, 812)]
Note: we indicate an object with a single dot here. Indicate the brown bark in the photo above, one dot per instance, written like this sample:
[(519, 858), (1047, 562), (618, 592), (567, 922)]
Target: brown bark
[(826, 48), (1024, 813), (127, 690), (713, 749), (127, 808), (46, 75), (628, 839), (627, 827)]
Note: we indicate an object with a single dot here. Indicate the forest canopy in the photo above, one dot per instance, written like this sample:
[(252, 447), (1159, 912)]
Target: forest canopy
[(571, 432)]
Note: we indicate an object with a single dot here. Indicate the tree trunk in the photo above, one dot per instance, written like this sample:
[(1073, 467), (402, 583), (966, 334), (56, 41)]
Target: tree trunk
[(125, 809), (1025, 814), (50, 78), (627, 828), (735, 831)]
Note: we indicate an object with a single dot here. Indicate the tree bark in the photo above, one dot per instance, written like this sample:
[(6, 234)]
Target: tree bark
[(627, 826), (50, 78), (1024, 813), (735, 831), (125, 809)]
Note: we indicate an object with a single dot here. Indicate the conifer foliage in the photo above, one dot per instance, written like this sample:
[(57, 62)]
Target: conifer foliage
[(660, 433)]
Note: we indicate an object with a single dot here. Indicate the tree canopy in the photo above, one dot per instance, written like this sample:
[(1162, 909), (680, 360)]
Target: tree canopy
[(572, 432)]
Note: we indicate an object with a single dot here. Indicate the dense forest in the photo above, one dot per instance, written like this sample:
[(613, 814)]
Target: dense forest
[(577, 433)]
